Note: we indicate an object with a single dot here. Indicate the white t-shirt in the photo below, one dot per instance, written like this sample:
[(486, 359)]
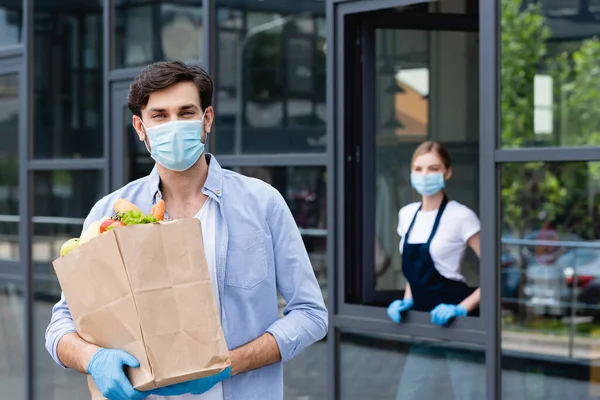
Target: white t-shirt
[(208, 218), (457, 225)]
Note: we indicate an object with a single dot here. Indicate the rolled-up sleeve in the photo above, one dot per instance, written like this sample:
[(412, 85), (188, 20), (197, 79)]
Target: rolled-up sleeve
[(305, 317), (61, 322)]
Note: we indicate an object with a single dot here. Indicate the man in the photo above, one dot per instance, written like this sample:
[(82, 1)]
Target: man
[(252, 244)]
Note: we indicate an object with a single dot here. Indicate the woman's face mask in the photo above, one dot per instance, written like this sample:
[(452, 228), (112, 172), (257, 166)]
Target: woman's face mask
[(427, 184), (176, 145)]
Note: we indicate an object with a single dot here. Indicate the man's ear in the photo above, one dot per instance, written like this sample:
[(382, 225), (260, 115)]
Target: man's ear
[(139, 127), (209, 117)]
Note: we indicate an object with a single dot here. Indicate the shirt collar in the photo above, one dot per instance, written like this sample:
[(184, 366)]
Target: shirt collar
[(213, 184)]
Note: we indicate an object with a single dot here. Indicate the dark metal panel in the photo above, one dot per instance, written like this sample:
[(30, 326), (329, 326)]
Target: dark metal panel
[(333, 370), (429, 21), (209, 55), (128, 74), (118, 97), (11, 270), (413, 317), (106, 66), (66, 164), (336, 76), (210, 32), (368, 162), (277, 6), (273, 160), (373, 5), (548, 154), (414, 330), (489, 90), (25, 186), (124, 74), (338, 133)]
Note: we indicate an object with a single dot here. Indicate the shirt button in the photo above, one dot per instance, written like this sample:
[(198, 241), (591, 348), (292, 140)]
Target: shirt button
[(219, 192)]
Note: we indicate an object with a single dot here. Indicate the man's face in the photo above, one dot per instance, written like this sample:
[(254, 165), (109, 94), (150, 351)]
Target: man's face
[(179, 101)]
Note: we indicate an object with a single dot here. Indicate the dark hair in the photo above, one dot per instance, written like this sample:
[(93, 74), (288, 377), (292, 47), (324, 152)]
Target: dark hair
[(436, 148), (162, 74)]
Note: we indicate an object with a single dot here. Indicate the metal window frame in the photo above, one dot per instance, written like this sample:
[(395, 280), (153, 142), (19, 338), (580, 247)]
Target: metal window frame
[(483, 331), (368, 26), (489, 128)]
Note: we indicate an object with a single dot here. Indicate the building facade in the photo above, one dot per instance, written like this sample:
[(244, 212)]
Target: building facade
[(327, 100)]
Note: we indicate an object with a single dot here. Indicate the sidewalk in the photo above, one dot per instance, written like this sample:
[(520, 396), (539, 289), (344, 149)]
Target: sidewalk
[(585, 348)]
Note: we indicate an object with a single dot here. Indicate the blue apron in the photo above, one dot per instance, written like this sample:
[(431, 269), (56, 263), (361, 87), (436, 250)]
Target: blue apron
[(429, 288)]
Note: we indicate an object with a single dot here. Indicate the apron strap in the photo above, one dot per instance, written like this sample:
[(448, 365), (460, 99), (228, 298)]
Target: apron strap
[(435, 225), (412, 223), (437, 219)]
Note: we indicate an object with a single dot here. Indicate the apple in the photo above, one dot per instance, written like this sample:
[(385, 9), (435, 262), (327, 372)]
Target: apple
[(105, 224), (69, 246)]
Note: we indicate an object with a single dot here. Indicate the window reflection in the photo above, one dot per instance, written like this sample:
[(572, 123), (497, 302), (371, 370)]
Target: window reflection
[(11, 17), (409, 368), (417, 98), (151, 31), (545, 81), (68, 93), (62, 200), (9, 167), (304, 189), (550, 276), (279, 56), (12, 344)]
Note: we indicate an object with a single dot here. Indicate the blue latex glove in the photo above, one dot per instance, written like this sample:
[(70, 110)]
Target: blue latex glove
[(106, 369), (444, 312), (197, 386), (397, 307)]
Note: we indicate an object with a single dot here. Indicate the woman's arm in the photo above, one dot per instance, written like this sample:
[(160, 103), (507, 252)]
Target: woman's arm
[(471, 302), (407, 292)]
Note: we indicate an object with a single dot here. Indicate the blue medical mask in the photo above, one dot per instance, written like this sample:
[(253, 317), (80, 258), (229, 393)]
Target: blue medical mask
[(427, 184), (176, 145)]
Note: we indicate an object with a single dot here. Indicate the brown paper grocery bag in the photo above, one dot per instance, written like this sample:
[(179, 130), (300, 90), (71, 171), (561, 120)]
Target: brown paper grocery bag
[(146, 289)]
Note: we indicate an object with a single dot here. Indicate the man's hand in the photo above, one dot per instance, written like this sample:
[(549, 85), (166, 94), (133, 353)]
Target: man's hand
[(197, 386), (106, 369)]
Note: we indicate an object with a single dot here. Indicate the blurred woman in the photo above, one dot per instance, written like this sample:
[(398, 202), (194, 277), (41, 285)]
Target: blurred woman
[(435, 233)]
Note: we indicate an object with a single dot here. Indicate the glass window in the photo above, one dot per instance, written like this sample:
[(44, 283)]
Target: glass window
[(11, 18), (376, 366), (12, 345), (62, 200), (305, 191), (9, 167), (277, 50), (138, 162), (419, 98), (550, 269), (148, 31), (305, 377), (68, 92), (550, 55), (304, 188)]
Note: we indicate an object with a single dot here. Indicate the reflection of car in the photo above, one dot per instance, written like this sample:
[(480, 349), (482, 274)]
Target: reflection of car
[(583, 282), (550, 270)]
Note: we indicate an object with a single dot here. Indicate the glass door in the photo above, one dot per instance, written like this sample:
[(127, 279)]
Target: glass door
[(13, 269), (406, 74)]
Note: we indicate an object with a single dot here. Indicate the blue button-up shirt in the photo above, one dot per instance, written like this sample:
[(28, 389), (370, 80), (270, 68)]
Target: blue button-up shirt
[(259, 251)]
